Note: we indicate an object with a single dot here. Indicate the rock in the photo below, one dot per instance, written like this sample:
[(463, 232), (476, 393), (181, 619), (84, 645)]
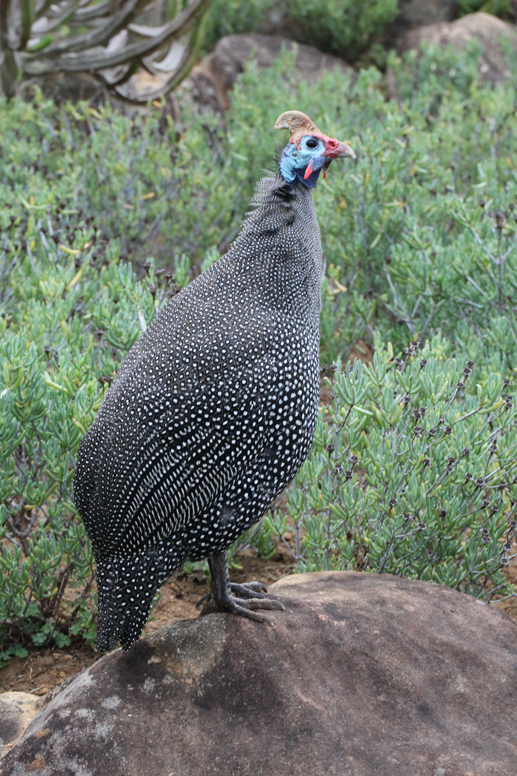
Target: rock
[(415, 13), (16, 711), (361, 675), (233, 51), (62, 87), (486, 28), (203, 89)]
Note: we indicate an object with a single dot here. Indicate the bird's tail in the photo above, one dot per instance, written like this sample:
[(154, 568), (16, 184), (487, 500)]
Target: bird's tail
[(126, 588)]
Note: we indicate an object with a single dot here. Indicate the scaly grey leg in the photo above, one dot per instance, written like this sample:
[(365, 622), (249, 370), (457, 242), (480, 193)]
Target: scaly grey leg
[(248, 595)]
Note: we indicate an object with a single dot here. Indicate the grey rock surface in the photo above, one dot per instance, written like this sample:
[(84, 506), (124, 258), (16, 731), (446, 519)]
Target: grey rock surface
[(488, 29), (61, 87), (361, 675), (414, 13), (17, 709), (233, 51)]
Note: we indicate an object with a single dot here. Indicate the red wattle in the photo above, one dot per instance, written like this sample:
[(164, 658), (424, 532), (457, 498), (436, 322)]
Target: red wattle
[(308, 171)]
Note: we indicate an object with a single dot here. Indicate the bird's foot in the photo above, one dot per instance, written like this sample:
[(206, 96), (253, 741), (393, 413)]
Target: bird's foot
[(246, 590), (232, 597), (239, 605)]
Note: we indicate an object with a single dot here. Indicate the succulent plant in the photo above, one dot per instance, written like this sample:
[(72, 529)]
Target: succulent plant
[(410, 474), (109, 38)]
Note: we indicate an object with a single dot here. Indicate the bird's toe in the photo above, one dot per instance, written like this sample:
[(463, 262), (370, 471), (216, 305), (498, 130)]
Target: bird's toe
[(248, 589)]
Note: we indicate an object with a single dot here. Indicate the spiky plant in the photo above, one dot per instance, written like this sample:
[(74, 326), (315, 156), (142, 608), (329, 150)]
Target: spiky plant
[(108, 38)]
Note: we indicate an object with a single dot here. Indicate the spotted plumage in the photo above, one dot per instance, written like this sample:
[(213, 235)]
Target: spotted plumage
[(210, 416)]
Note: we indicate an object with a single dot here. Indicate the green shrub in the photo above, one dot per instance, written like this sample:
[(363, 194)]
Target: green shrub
[(410, 240), (341, 27), (231, 17), (156, 189), (410, 475), (425, 162), (502, 8)]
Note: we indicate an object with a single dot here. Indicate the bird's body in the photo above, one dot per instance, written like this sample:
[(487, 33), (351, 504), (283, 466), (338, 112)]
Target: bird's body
[(210, 415)]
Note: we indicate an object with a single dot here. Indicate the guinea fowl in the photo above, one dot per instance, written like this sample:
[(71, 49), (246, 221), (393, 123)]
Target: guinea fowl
[(213, 410)]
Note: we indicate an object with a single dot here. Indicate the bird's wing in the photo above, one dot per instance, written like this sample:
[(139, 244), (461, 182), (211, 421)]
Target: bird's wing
[(161, 451)]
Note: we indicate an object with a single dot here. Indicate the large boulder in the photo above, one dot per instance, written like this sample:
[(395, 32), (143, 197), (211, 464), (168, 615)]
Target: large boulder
[(361, 675), (61, 87), (488, 29), (414, 13), (234, 51)]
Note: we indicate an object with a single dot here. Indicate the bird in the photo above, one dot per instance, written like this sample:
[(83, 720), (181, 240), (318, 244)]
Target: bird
[(213, 410)]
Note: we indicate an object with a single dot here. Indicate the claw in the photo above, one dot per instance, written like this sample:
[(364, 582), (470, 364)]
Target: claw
[(248, 589), (206, 598)]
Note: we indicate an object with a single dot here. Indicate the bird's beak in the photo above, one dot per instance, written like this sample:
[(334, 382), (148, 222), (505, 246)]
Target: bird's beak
[(338, 150)]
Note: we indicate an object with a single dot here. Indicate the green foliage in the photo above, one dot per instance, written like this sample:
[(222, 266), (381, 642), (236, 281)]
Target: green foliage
[(502, 8), (418, 243), (411, 475), (14, 650), (230, 17), (424, 164), (138, 178), (341, 27), (409, 253)]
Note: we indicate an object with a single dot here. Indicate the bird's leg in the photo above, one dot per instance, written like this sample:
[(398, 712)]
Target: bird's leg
[(248, 596)]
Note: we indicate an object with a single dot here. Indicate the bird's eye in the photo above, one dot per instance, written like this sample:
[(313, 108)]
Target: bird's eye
[(311, 143)]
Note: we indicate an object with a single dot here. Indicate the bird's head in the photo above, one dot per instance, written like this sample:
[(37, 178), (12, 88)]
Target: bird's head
[(308, 151)]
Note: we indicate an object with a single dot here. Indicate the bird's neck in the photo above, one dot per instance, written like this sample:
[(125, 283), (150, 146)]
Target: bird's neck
[(278, 252)]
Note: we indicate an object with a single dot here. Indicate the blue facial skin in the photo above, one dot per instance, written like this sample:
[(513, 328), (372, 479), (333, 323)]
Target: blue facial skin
[(294, 161)]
